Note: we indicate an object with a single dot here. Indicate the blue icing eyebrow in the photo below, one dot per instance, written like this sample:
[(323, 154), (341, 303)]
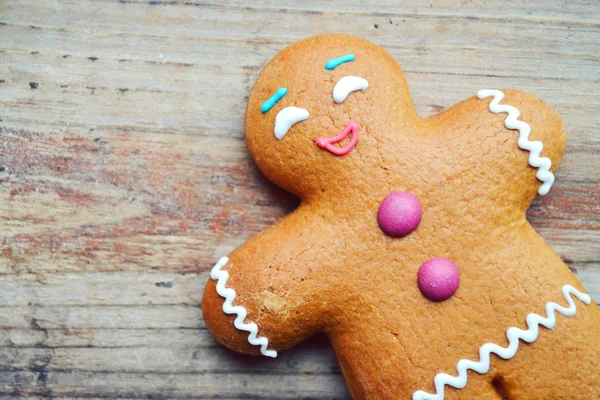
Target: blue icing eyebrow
[(267, 105), (334, 62)]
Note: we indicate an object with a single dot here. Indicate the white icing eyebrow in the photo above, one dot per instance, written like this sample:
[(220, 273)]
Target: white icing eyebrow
[(288, 117), (347, 85)]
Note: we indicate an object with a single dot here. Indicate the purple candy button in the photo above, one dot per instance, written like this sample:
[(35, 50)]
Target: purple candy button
[(438, 279), (399, 214)]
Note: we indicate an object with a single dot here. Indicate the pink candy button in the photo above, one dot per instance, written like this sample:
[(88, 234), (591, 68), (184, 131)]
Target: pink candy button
[(438, 279), (399, 214)]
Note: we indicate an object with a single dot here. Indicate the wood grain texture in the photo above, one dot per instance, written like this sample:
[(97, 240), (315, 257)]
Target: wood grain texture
[(124, 175)]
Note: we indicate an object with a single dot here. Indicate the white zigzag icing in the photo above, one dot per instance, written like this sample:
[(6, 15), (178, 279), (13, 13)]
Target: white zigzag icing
[(535, 148), (513, 334), (229, 294)]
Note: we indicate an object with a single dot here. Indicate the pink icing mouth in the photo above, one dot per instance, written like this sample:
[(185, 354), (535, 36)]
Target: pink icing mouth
[(328, 143)]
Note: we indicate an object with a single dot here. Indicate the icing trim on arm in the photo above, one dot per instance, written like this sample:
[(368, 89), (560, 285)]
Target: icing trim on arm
[(513, 334), (288, 117), (228, 308), (535, 148)]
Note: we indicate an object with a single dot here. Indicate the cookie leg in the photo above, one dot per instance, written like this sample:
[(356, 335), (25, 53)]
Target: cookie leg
[(562, 364)]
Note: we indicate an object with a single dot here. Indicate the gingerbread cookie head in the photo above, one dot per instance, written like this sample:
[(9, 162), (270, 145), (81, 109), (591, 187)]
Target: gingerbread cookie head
[(410, 248), (318, 100)]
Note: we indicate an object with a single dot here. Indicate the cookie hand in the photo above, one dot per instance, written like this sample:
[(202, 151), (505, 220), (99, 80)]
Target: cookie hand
[(519, 141), (271, 279)]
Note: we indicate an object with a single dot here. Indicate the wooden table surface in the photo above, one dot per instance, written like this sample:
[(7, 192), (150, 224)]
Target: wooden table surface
[(124, 175)]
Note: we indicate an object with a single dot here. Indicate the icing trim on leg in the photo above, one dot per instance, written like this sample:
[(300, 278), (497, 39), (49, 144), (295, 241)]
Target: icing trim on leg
[(513, 334), (228, 308), (535, 148)]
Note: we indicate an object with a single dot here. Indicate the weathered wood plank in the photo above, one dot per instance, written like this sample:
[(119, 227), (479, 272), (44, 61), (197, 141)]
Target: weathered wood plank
[(91, 100), (111, 211), (577, 10), (86, 398), (180, 16), (133, 288), (180, 386), (202, 61), (212, 359), (123, 174), (101, 289), (111, 317), (105, 338), (96, 398)]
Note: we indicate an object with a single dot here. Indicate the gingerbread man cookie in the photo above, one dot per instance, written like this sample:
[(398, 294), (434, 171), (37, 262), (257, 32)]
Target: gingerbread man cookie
[(410, 248)]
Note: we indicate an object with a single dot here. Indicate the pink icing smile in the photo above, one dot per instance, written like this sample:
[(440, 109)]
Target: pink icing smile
[(328, 143)]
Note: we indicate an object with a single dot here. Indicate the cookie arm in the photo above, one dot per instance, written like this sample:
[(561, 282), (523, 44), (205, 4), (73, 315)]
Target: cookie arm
[(278, 280), (516, 138)]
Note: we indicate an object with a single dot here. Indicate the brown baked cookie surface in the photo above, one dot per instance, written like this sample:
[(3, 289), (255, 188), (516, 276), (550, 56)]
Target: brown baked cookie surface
[(410, 248)]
